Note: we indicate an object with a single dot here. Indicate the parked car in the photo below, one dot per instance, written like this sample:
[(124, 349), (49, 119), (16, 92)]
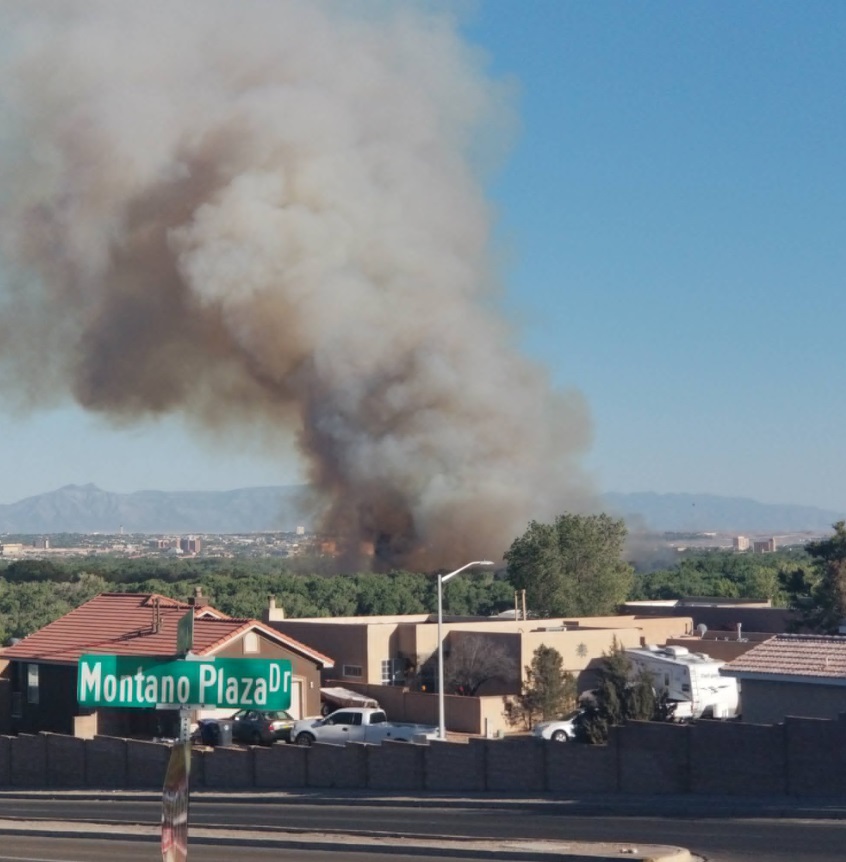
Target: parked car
[(563, 730), (253, 726), (358, 724)]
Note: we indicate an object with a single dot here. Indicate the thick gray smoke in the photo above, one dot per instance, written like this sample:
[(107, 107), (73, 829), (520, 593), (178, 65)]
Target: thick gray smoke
[(269, 216)]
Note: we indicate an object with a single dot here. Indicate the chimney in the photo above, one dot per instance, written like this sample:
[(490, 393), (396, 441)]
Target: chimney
[(273, 612), (198, 600)]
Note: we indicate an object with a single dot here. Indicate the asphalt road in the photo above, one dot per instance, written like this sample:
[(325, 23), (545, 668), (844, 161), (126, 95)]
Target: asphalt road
[(723, 838)]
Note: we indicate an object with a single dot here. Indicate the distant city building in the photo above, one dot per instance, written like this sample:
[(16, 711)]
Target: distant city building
[(741, 543), (764, 546), (42, 543), (300, 531), (190, 545), (11, 549)]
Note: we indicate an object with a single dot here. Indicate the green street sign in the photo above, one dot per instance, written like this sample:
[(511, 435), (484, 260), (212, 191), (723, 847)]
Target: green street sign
[(144, 682)]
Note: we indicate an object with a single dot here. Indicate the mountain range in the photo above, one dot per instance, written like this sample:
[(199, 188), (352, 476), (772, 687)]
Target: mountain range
[(89, 509)]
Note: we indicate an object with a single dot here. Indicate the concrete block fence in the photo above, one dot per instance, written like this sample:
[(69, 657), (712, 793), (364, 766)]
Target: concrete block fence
[(801, 757)]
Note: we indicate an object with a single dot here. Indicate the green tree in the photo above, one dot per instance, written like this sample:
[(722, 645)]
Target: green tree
[(829, 592), (620, 695), (572, 567), (548, 692)]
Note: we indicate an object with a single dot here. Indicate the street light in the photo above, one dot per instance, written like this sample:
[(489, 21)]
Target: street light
[(442, 579)]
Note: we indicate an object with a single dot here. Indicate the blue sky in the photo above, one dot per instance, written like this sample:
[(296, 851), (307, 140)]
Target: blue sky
[(671, 217), (675, 206)]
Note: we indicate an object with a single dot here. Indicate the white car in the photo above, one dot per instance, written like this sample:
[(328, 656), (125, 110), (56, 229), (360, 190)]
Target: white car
[(563, 730)]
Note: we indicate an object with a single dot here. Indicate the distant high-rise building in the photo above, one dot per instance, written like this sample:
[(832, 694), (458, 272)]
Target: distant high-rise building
[(300, 531), (764, 546), (190, 545), (741, 543)]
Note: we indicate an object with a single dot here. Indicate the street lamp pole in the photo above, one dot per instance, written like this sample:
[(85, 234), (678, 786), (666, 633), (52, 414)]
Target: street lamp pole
[(442, 579)]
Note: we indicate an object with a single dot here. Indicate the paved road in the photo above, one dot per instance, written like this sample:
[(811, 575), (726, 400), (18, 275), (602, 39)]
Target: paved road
[(734, 832)]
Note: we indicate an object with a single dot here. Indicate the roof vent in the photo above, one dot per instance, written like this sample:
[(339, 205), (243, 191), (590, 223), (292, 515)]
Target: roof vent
[(676, 651)]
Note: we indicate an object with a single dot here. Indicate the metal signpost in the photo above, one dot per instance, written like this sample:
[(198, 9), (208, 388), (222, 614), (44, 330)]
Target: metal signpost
[(175, 804), (185, 684)]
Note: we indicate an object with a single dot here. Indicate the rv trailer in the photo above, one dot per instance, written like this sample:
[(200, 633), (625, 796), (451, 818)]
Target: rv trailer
[(691, 682)]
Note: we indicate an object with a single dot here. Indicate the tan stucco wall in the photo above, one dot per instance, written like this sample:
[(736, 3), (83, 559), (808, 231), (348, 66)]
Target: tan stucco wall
[(302, 668), (344, 644), (354, 641)]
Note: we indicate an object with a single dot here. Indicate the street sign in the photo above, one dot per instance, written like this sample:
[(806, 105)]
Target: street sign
[(185, 633), (146, 682)]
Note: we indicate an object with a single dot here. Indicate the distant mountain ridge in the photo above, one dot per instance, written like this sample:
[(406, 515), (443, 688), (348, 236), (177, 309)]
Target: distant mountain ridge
[(281, 508), (709, 512), (89, 509)]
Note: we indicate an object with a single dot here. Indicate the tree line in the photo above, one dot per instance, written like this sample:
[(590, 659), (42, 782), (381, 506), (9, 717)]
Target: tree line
[(574, 566)]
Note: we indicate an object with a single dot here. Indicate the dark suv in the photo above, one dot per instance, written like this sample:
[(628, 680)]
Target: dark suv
[(253, 726)]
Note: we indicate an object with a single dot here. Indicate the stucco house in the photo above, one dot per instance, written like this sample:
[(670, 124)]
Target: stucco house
[(38, 675), (402, 650), (792, 675)]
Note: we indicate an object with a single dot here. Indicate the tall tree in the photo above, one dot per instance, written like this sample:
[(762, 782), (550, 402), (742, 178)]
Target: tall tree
[(829, 593), (549, 691), (620, 695), (572, 567)]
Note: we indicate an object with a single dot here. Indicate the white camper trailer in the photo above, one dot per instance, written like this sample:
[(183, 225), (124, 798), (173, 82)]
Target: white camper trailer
[(691, 681)]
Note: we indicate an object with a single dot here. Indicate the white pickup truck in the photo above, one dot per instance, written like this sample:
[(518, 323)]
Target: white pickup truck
[(357, 724)]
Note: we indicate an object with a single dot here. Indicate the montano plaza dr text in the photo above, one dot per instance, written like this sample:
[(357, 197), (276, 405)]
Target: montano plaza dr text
[(145, 682)]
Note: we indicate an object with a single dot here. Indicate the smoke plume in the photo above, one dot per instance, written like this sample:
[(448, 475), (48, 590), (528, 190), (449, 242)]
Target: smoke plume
[(268, 216)]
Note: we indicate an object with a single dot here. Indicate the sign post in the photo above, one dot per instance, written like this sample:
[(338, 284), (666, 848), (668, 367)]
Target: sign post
[(144, 682), (175, 804)]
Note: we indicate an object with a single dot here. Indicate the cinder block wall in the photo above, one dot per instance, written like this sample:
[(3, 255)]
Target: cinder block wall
[(146, 763), (396, 766), (802, 757), (454, 768), (65, 760), (653, 758), (229, 769), (815, 754), (515, 765), (29, 760), (581, 769), (737, 759), (105, 763), (282, 767), (343, 766)]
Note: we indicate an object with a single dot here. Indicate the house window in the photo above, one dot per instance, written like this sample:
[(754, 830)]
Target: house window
[(32, 683), (251, 642), (392, 671), (353, 670)]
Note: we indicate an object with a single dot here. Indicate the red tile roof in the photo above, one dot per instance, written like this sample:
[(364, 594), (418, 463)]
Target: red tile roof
[(139, 624), (808, 657)]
